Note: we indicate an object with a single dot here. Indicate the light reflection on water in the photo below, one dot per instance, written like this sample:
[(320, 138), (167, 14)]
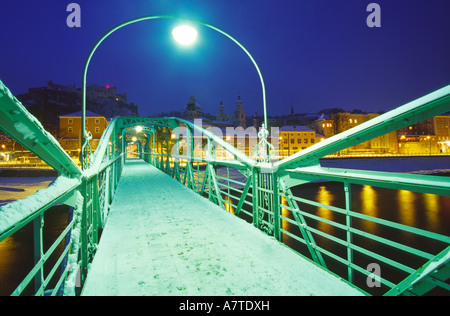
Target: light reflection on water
[(406, 205), (324, 196), (369, 206), (422, 210)]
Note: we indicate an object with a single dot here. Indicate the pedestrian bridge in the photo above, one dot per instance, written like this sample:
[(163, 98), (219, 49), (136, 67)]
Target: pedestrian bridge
[(166, 207), (163, 239)]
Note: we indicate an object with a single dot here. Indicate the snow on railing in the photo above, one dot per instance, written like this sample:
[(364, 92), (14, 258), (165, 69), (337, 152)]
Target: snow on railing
[(87, 193)]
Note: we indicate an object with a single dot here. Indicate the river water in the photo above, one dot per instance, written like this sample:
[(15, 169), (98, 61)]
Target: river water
[(427, 211)]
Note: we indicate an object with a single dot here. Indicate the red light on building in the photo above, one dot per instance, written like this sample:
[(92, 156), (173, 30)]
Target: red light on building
[(107, 86)]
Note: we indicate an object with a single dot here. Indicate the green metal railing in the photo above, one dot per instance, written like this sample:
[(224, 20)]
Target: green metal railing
[(265, 194), (88, 193)]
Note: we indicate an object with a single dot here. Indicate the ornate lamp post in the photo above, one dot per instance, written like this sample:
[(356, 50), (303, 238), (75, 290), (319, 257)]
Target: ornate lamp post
[(183, 34)]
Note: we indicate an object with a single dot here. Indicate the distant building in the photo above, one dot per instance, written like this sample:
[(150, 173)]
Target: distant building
[(340, 122), (192, 110), (431, 136), (298, 119), (239, 114), (296, 138), (49, 102), (324, 126), (70, 130), (442, 127), (94, 92), (221, 120)]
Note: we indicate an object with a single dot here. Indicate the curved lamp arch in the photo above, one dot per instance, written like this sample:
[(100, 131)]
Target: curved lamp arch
[(152, 17)]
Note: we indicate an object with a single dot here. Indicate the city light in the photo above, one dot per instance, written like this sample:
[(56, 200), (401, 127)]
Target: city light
[(185, 34), (138, 129)]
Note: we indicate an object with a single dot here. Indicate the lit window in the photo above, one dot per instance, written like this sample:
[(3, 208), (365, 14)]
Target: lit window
[(351, 120)]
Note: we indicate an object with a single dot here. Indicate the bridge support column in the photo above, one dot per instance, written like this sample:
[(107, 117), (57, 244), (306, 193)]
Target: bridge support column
[(348, 220)]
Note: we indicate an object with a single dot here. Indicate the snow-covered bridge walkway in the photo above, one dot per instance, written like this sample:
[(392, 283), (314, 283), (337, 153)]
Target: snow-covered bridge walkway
[(163, 239)]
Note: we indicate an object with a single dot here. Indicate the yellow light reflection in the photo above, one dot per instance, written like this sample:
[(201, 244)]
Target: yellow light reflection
[(406, 207), (285, 213), (432, 210), (227, 203), (369, 206), (324, 197)]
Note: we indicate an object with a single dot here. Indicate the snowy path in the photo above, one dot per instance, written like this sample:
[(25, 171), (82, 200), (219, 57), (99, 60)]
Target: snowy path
[(163, 239)]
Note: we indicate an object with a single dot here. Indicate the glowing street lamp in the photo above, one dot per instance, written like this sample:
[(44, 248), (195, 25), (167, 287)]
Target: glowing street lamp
[(185, 35)]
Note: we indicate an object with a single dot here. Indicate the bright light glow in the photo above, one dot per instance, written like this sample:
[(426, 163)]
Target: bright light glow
[(185, 34), (138, 129), (134, 139)]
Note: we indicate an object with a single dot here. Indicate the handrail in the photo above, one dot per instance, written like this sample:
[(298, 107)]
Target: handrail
[(17, 214), (87, 192)]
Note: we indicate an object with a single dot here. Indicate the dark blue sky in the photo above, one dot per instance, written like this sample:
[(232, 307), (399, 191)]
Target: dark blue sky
[(313, 54)]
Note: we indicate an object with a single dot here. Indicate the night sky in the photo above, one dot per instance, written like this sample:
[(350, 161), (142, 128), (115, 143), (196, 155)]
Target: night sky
[(313, 54)]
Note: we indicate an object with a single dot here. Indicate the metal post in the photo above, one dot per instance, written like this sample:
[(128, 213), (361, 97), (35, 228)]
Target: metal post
[(84, 240), (167, 151), (38, 224), (348, 220), (96, 219)]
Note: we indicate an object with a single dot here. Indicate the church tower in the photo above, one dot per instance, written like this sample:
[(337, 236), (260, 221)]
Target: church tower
[(239, 114), (221, 116)]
